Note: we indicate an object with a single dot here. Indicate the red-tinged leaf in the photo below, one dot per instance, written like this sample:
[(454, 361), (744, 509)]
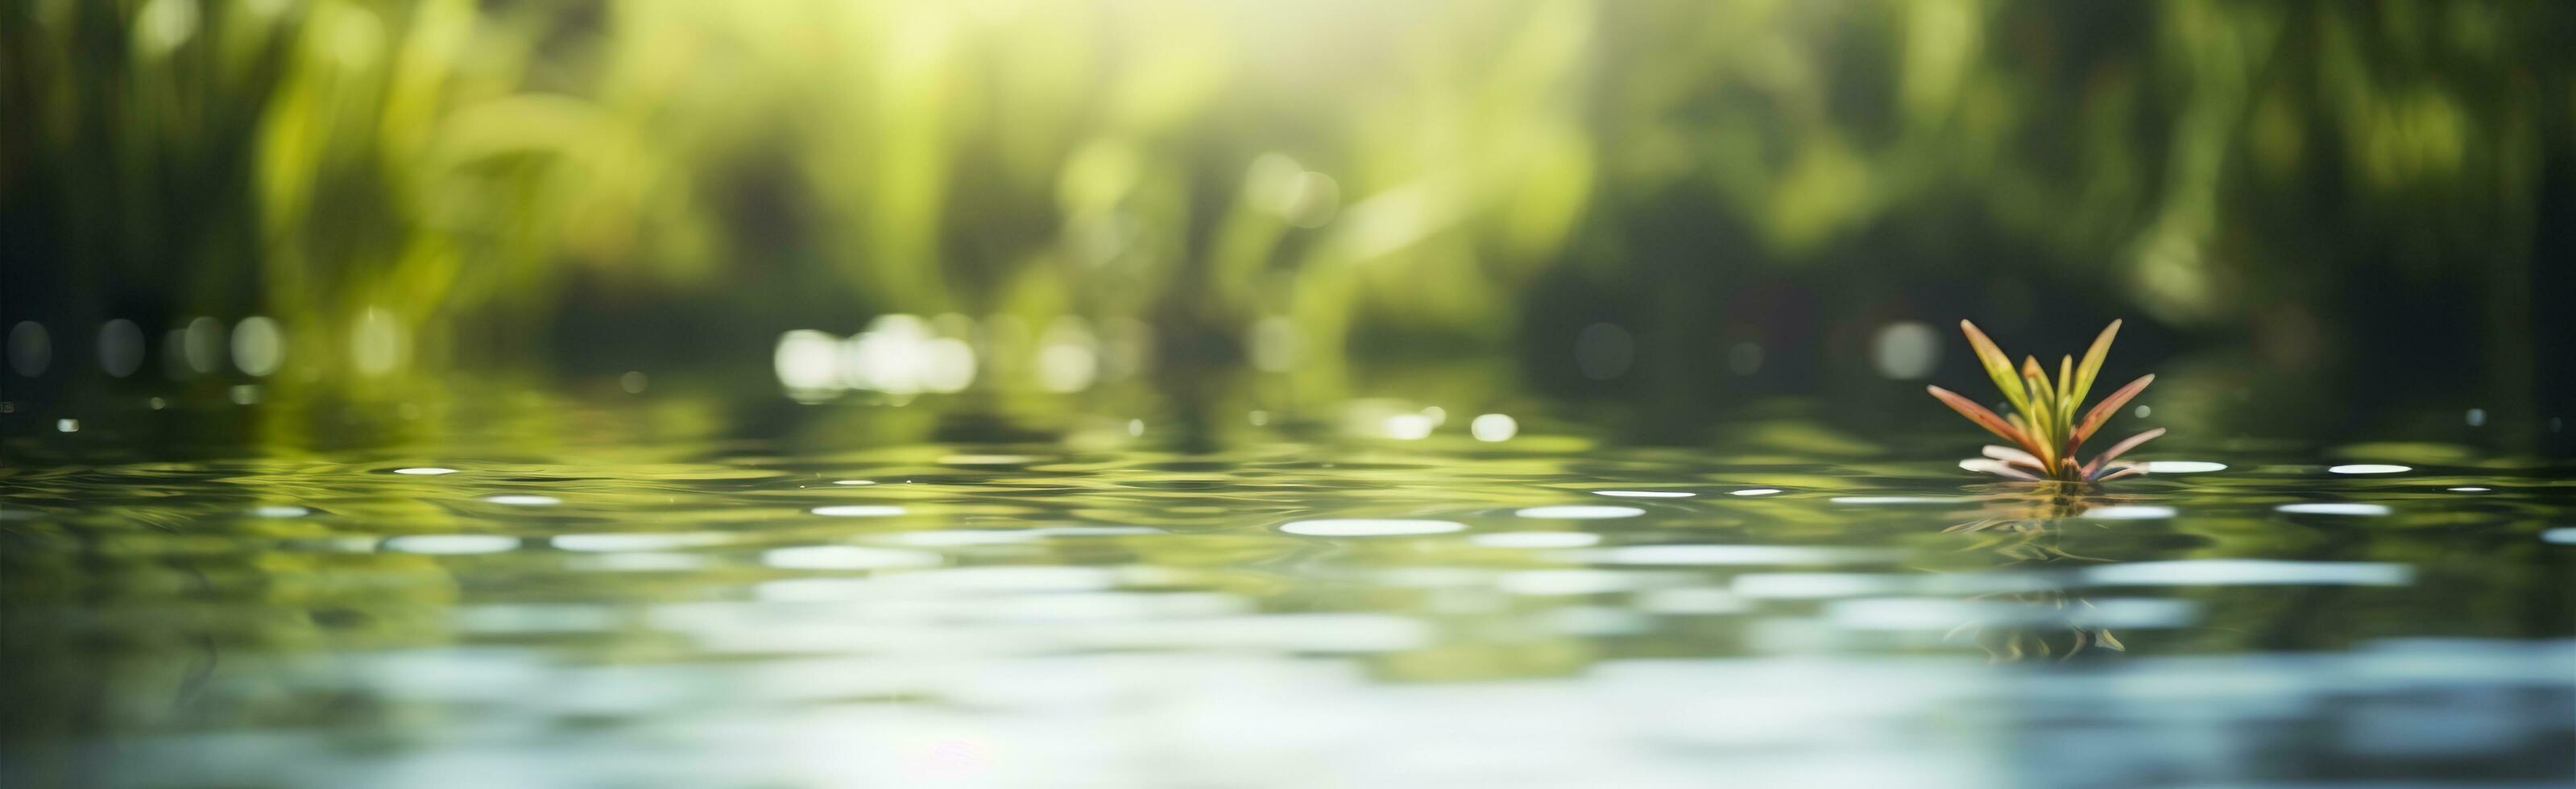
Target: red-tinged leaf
[(2114, 452), (2110, 405), (1978, 414)]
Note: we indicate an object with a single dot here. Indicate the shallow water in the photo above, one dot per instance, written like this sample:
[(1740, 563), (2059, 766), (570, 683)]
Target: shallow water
[(1290, 611)]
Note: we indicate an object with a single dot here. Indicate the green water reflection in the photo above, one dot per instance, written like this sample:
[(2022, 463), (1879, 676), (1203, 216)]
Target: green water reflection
[(622, 598)]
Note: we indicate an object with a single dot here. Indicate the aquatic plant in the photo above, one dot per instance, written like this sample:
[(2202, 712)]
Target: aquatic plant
[(2044, 432)]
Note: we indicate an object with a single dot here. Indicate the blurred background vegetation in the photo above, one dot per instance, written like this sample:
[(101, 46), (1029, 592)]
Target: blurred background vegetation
[(2313, 213)]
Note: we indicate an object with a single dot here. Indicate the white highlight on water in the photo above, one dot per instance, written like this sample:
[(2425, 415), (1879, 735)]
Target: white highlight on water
[(1580, 512), (1727, 554), (451, 543), (2334, 508), (2370, 468), (1408, 427), (847, 557), (1370, 527), (1544, 583), (2183, 466), (2247, 572), (618, 542), (2129, 512), (1936, 614), (1536, 539), (859, 511)]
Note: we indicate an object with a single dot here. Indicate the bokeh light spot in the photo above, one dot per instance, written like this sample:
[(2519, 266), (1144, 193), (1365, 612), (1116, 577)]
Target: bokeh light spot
[(120, 347), (1905, 350), (31, 349), (258, 345)]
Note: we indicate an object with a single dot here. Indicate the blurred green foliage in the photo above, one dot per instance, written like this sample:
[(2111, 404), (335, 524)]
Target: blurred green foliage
[(485, 170)]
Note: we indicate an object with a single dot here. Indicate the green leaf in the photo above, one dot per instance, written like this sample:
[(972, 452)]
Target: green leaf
[(2065, 411), (1998, 366), (2039, 410), (2093, 362)]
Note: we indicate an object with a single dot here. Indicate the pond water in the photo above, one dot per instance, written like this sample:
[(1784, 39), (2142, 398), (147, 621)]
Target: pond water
[(1284, 610)]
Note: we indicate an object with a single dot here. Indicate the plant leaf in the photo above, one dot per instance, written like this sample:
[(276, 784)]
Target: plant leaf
[(2102, 413), (1984, 418), (2092, 365), (2042, 426), (2113, 453), (2014, 456), (1998, 366), (1997, 468), (2124, 470), (2043, 395), (2065, 411)]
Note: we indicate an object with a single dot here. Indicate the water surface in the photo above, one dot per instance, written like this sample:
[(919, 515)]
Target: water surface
[(1289, 610)]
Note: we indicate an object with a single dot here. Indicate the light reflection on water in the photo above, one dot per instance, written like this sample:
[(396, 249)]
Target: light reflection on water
[(1284, 614)]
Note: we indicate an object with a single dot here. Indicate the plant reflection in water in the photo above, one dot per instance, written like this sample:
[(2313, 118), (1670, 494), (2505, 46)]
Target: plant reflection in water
[(2025, 526)]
